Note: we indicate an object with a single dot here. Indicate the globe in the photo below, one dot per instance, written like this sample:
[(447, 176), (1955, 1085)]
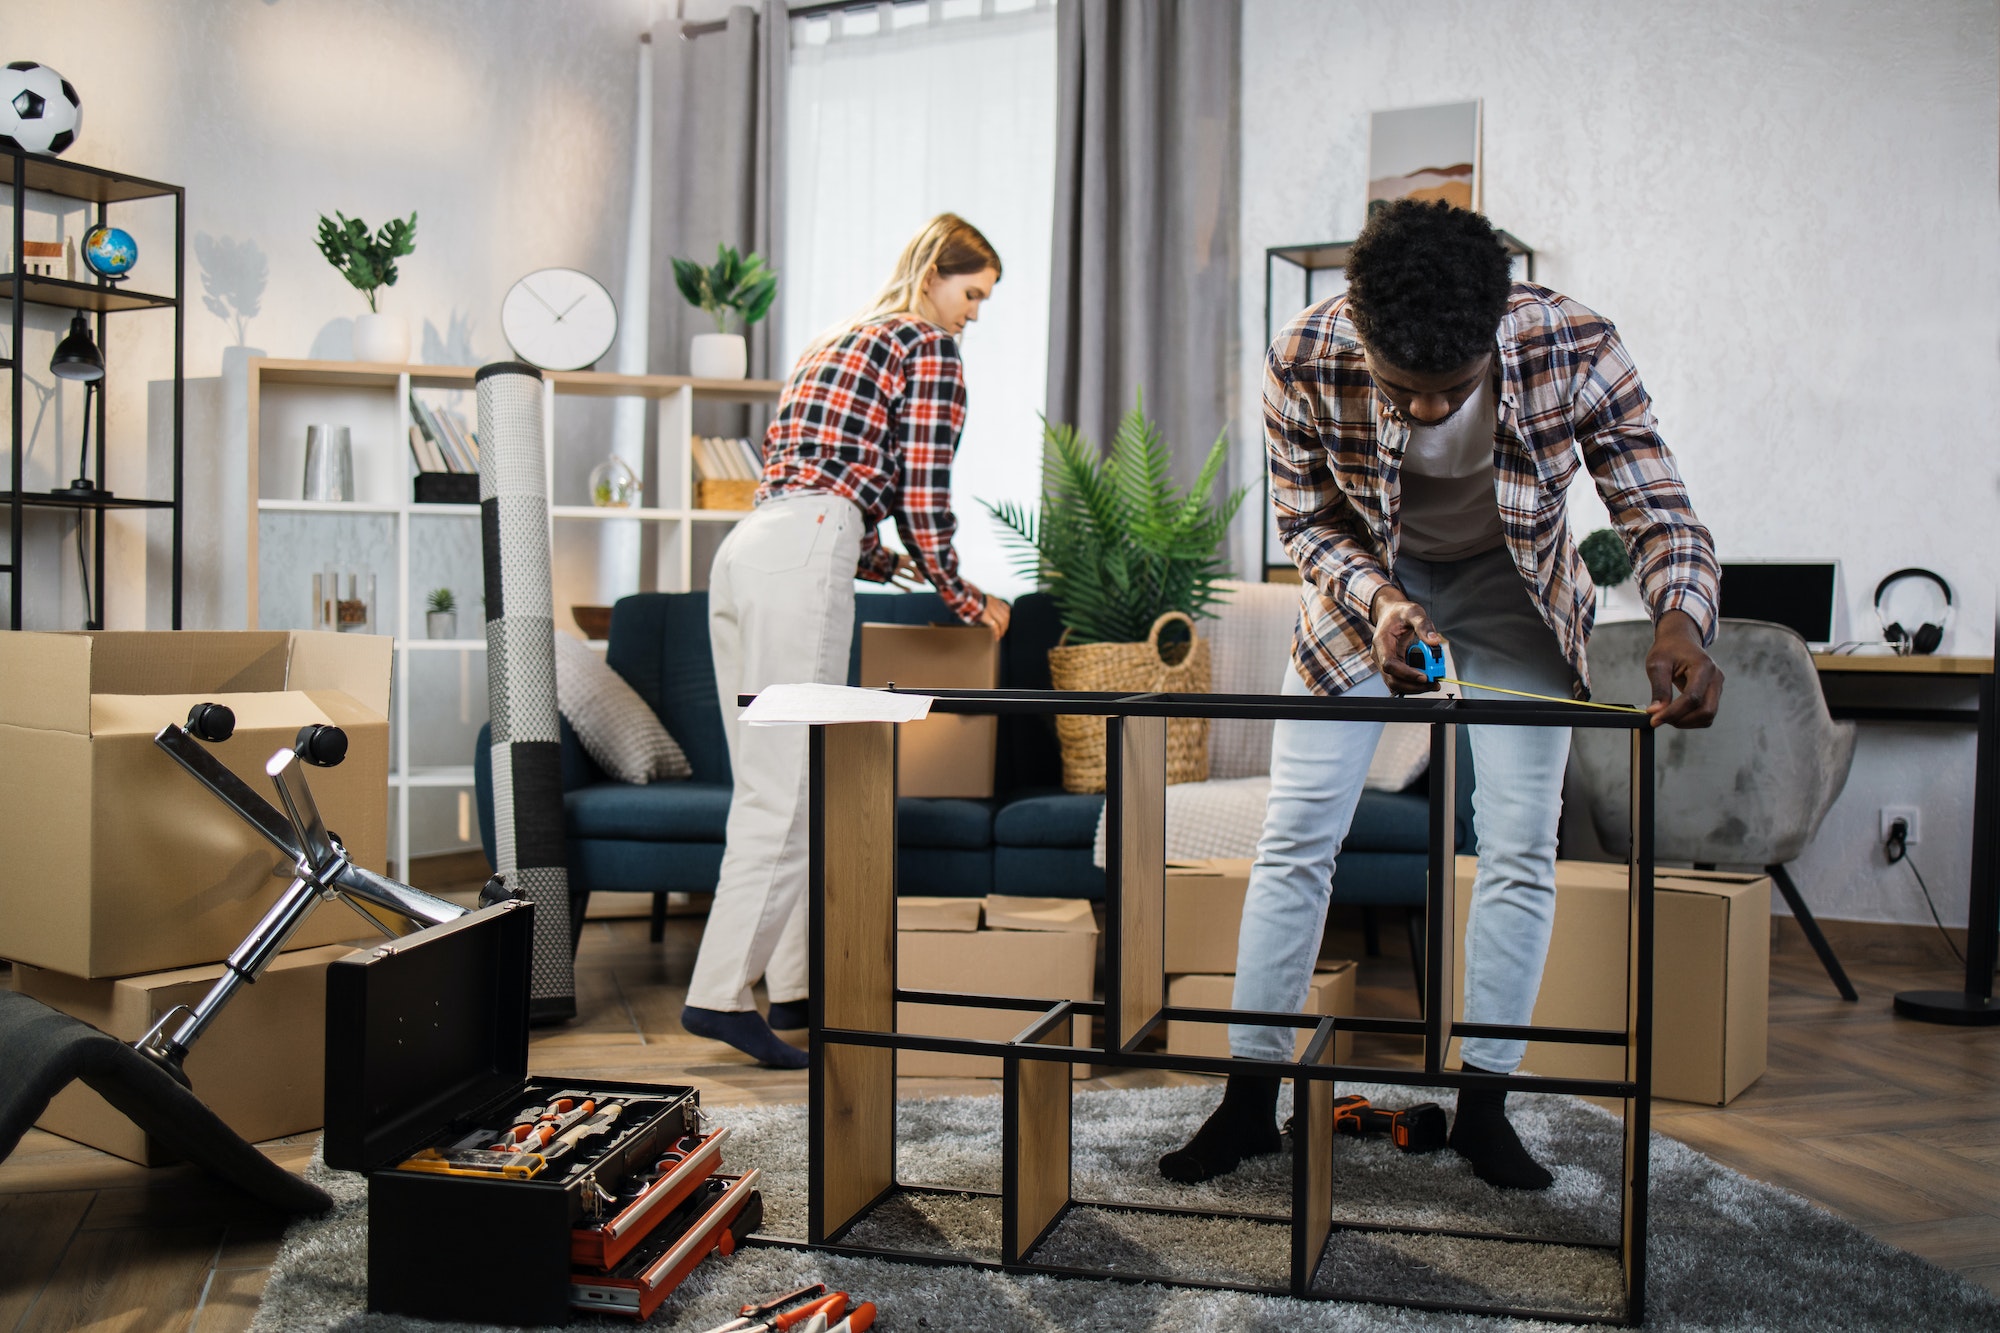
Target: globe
[(110, 251)]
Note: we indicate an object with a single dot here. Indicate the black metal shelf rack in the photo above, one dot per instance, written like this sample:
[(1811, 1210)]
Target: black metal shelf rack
[(25, 172)]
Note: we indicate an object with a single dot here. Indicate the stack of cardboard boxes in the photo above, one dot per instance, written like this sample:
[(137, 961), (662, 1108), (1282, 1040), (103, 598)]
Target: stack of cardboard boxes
[(1204, 912), (124, 882)]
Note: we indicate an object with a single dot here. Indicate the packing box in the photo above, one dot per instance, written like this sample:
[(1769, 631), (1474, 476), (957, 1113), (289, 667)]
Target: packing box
[(1204, 911), (427, 1065), (1331, 992), (113, 860), (1711, 976), (1045, 948), (949, 754), (260, 1067)]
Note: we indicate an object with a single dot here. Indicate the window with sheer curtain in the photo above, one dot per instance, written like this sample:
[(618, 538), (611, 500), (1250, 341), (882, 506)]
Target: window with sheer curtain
[(897, 114)]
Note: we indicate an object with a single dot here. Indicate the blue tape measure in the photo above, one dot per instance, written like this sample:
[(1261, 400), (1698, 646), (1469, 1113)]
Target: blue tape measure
[(1425, 658)]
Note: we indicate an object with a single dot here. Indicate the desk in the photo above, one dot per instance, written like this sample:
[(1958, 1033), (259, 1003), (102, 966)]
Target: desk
[(1974, 1004)]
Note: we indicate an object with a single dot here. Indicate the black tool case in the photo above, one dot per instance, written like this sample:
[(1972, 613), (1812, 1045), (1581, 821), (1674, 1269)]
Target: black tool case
[(427, 1040)]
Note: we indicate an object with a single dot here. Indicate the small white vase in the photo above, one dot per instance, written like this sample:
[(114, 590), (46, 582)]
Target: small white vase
[(441, 624), (719, 356), (384, 338)]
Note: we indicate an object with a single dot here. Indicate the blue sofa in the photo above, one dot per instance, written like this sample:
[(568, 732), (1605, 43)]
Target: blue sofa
[(1030, 838)]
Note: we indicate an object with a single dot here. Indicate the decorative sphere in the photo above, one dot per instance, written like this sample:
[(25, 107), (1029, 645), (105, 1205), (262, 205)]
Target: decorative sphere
[(39, 111), (613, 484), (110, 251)]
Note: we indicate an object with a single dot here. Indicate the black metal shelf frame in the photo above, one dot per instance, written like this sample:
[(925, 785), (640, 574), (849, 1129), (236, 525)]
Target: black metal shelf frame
[(25, 172), (851, 1118)]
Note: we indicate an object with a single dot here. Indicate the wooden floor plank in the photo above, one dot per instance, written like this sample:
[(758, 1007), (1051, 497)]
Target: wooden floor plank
[(231, 1300), (127, 1280), (35, 1230)]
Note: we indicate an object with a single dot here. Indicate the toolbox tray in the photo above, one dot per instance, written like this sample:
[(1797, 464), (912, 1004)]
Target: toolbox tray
[(600, 1245), (427, 1035), (662, 1261)]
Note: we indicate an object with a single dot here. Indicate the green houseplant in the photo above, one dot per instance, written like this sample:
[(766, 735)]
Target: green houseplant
[(441, 614), (368, 261), (1610, 565), (1123, 554), (732, 285)]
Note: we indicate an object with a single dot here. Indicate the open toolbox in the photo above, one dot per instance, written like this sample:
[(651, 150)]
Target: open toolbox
[(496, 1197)]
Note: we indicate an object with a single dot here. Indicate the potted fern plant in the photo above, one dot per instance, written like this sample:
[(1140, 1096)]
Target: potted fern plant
[(1610, 565), (744, 287), (1130, 563), (368, 261)]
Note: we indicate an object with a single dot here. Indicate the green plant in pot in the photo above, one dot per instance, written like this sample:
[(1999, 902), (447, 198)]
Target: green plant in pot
[(368, 261), (1605, 556), (732, 285), (1125, 556), (441, 614)]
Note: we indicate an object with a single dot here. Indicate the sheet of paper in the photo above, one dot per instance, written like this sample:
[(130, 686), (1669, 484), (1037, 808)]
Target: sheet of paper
[(795, 705)]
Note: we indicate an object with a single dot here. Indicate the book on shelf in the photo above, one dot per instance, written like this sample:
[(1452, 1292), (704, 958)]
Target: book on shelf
[(719, 459), (426, 425), (461, 440), (426, 454)]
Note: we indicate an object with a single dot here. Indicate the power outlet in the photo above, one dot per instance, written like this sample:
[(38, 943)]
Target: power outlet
[(1911, 823)]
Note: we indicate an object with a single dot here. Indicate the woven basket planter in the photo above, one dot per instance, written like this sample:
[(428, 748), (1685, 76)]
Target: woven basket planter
[(725, 494), (1132, 668)]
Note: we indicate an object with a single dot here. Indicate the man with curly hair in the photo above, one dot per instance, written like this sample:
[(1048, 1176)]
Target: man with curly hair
[(1424, 427)]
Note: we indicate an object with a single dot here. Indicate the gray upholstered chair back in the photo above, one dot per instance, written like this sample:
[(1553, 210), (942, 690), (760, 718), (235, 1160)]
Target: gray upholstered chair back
[(1752, 789)]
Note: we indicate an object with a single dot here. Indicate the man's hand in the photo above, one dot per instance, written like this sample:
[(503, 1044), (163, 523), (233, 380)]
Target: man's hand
[(1398, 621), (996, 615), (907, 575), (1678, 659)]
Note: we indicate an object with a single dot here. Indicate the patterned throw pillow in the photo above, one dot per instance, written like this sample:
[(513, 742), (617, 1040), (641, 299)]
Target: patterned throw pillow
[(616, 727)]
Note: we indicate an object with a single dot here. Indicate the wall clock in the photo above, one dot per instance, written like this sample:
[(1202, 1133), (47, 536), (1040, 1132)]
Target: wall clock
[(559, 319)]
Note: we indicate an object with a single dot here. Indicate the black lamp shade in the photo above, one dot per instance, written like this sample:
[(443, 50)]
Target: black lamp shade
[(77, 357)]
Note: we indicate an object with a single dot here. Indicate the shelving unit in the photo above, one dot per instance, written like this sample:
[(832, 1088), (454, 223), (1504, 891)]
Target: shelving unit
[(383, 472), (26, 172)]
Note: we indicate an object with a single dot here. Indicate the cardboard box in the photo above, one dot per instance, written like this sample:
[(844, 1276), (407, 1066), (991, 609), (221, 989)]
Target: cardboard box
[(1711, 971), (1055, 958), (1331, 992), (1204, 913), (914, 912), (949, 754), (113, 860), (261, 1067)]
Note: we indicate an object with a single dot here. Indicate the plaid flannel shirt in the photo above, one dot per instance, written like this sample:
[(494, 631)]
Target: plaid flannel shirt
[(1566, 389), (874, 416)]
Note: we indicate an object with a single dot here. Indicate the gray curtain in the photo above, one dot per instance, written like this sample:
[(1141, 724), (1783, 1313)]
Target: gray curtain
[(718, 166), (1144, 281)]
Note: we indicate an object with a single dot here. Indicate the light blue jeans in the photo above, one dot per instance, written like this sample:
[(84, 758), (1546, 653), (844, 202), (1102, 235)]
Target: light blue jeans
[(1497, 637)]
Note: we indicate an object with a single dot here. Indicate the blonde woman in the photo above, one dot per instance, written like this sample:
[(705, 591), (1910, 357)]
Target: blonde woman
[(864, 433)]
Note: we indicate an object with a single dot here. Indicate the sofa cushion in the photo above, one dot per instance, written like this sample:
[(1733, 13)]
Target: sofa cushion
[(1048, 819), (619, 729), (1047, 872), (941, 821), (613, 865), (659, 644), (1399, 821), (942, 872), (662, 812)]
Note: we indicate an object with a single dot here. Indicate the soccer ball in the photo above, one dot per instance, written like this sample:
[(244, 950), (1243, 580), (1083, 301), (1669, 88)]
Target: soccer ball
[(39, 111)]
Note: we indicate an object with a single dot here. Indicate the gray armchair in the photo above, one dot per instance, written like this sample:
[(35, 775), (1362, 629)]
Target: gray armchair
[(1752, 789)]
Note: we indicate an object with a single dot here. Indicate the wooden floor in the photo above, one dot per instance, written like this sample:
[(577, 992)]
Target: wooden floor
[(1893, 1125)]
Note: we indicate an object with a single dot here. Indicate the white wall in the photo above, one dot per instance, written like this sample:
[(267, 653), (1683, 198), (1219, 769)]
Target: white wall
[(1792, 214)]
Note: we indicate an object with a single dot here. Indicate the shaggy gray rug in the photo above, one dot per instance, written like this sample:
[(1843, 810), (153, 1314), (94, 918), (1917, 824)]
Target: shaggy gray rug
[(1727, 1252)]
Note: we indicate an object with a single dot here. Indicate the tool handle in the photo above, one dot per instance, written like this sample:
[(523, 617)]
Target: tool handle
[(860, 1321)]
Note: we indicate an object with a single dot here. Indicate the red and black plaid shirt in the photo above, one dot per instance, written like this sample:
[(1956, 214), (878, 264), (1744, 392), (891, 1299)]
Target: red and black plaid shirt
[(874, 416)]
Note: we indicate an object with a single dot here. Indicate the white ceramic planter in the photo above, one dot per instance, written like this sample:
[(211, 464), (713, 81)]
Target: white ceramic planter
[(382, 338), (441, 624), (719, 356)]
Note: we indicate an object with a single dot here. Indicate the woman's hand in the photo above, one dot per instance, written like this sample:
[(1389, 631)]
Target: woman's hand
[(907, 575), (996, 615), (1398, 622)]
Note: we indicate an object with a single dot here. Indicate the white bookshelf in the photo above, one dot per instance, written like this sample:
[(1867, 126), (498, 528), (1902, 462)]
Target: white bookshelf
[(373, 401)]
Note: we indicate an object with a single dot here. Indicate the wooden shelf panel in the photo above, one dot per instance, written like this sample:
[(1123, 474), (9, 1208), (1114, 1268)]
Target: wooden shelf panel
[(582, 383), (77, 181), (1891, 665), (69, 295)]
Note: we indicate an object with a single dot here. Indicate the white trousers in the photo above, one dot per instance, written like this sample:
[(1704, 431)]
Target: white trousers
[(780, 612)]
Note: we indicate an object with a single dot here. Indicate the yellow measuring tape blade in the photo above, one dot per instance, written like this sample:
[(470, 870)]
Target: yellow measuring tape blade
[(1544, 698)]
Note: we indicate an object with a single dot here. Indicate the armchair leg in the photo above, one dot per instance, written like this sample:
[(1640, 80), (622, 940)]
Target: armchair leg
[(1371, 934), (658, 930), (1812, 931), (1413, 925)]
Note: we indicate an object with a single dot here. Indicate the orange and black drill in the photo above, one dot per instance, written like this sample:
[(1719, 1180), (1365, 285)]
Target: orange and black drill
[(1414, 1129)]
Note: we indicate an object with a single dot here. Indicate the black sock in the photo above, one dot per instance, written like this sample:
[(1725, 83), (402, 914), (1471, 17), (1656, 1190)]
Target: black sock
[(747, 1031), (1245, 1125), (1481, 1135), (790, 1015)]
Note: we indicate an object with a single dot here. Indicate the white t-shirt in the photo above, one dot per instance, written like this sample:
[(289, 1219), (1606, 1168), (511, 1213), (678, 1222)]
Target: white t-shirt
[(1448, 511)]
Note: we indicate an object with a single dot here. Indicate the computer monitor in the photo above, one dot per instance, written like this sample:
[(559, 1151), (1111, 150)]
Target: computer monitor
[(1798, 594)]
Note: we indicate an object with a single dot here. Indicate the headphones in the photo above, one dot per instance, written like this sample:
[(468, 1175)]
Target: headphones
[(1926, 637)]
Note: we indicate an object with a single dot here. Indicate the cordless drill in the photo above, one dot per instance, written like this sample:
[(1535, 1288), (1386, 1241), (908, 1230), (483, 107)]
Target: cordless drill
[(1414, 1129)]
